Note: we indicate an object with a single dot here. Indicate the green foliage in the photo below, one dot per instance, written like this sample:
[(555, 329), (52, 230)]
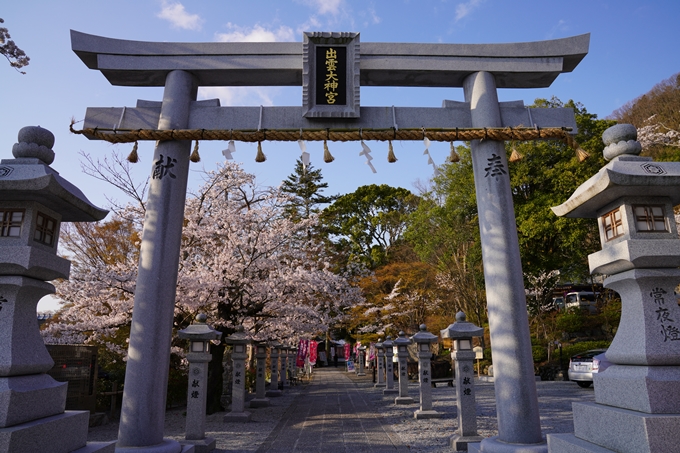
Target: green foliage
[(444, 232), (539, 353), (305, 187), (569, 350), (546, 176), (365, 224), (571, 321)]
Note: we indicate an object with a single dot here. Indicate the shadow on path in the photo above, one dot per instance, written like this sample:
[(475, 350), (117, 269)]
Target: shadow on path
[(332, 415)]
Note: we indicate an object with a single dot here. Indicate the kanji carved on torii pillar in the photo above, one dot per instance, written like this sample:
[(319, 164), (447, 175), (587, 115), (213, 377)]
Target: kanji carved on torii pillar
[(182, 67)]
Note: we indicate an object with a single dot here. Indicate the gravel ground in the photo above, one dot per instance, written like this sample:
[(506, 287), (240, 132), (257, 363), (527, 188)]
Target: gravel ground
[(423, 436)]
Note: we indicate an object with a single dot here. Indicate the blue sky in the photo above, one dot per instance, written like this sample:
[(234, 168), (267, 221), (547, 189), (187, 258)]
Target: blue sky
[(634, 45)]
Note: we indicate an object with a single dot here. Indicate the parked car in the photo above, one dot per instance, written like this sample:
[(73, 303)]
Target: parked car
[(582, 300), (582, 366)]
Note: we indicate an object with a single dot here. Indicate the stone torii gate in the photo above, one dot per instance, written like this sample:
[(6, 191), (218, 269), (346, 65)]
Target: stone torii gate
[(339, 58)]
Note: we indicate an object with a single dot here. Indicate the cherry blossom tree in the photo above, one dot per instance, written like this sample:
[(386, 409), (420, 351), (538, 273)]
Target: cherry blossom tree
[(17, 58), (242, 262)]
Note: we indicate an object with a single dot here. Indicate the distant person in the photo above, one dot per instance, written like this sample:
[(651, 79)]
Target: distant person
[(335, 360)]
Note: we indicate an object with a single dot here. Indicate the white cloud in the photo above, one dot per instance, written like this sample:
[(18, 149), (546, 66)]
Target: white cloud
[(256, 33), (312, 24), (178, 16), (463, 9), (561, 26), (374, 16), (323, 7), (237, 96)]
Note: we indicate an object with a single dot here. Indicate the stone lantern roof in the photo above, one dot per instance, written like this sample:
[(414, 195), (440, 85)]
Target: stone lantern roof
[(462, 329), (199, 330), (627, 175), (402, 340), (423, 336), (238, 337), (29, 177)]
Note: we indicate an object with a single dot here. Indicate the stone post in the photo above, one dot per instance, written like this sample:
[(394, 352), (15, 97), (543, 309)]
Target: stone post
[(389, 389), (34, 200), (637, 399), (292, 363), (146, 376), (423, 340), (516, 397), (362, 360), (283, 376), (199, 335), (380, 363), (461, 333), (274, 358), (402, 352), (239, 340), (260, 399)]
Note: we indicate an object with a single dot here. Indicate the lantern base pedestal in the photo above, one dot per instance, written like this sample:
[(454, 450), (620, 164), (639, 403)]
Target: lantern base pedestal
[(237, 417), (422, 415), (390, 391), (65, 432), (379, 385), (459, 442), (205, 445), (259, 402), (403, 400)]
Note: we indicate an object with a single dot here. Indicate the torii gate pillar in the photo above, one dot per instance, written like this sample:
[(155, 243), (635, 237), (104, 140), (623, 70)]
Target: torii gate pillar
[(516, 398), (148, 362)]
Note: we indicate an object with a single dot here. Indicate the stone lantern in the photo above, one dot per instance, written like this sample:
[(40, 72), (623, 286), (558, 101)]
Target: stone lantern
[(260, 399), (637, 400), (34, 200), (402, 343), (380, 362), (424, 340), (275, 353), (200, 335), (388, 344), (362, 360), (461, 333), (239, 340)]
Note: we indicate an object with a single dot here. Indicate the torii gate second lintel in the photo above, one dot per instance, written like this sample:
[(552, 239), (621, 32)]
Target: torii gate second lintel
[(182, 67), (514, 65)]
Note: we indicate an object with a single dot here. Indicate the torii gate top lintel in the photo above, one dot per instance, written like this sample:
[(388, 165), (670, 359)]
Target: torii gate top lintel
[(514, 65)]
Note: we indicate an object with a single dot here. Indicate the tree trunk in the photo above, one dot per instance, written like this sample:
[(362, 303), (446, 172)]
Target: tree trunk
[(214, 403)]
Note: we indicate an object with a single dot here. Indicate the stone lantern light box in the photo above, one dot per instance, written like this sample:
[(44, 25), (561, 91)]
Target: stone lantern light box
[(632, 198), (34, 203)]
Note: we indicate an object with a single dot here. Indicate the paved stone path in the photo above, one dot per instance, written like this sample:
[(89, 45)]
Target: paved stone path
[(332, 415)]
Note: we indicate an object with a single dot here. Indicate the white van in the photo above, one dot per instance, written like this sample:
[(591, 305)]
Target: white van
[(584, 300)]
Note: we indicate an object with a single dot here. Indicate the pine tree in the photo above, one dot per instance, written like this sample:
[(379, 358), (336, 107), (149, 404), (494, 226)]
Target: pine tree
[(304, 186)]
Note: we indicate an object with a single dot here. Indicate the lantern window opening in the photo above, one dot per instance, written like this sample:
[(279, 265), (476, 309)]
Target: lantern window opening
[(11, 221), (650, 218), (45, 228), (612, 223), (198, 346)]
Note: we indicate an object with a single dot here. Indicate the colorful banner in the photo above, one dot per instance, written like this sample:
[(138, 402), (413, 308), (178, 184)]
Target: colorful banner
[(302, 353), (371, 352), (313, 346), (347, 350)]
